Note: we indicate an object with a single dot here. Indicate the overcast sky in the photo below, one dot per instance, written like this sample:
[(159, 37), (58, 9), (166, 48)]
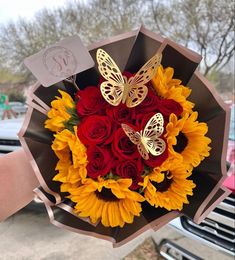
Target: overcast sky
[(12, 9)]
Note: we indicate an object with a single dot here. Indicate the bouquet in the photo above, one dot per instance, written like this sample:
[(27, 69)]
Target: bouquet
[(130, 143)]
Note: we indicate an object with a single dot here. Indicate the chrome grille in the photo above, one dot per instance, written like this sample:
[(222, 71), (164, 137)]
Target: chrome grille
[(219, 226), (9, 142), (171, 251), (8, 145)]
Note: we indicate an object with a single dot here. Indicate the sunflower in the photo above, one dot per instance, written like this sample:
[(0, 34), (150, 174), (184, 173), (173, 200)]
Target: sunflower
[(167, 186), (170, 88), (64, 176), (186, 139), (59, 114), (110, 201), (72, 156)]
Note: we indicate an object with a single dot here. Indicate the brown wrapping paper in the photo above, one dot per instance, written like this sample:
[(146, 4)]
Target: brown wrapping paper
[(130, 51)]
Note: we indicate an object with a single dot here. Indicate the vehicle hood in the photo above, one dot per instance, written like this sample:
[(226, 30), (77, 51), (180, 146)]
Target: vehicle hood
[(9, 128)]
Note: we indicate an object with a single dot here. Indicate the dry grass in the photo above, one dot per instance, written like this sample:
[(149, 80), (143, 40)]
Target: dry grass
[(146, 251)]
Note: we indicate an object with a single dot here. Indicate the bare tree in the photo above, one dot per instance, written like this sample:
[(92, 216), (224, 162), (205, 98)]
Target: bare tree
[(111, 17), (206, 26), (203, 25), (23, 38), (93, 21)]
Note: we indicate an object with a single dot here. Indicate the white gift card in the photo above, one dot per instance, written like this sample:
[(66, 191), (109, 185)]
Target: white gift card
[(60, 61)]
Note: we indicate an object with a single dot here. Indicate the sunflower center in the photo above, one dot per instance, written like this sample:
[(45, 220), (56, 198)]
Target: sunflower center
[(106, 195), (165, 184), (182, 142)]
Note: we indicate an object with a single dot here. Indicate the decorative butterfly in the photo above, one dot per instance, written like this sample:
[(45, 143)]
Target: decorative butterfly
[(117, 88), (148, 141)]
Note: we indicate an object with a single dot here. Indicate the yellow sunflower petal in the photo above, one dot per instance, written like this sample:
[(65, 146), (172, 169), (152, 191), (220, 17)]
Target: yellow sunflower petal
[(105, 215), (125, 214), (197, 145)]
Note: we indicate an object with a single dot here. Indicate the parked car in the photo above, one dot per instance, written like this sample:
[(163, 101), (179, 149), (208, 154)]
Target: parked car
[(19, 107), (8, 135), (218, 229)]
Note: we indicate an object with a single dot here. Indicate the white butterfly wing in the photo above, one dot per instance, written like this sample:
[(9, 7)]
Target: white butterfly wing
[(147, 71), (112, 89), (112, 92), (142, 150), (153, 129), (137, 89), (108, 68), (134, 136), (136, 95), (155, 146)]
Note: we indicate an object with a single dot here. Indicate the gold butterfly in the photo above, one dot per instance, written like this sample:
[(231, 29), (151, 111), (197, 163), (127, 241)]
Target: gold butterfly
[(148, 141), (117, 88)]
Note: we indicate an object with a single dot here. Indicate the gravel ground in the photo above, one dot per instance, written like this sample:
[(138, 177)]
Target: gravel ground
[(29, 235), (147, 250)]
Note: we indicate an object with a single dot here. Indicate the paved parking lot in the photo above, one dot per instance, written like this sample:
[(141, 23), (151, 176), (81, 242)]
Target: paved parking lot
[(29, 235)]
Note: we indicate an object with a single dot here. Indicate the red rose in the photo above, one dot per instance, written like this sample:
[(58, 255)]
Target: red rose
[(142, 120), (127, 74), (168, 106), (95, 130), (121, 113), (90, 101), (131, 169), (122, 146), (150, 103), (99, 161)]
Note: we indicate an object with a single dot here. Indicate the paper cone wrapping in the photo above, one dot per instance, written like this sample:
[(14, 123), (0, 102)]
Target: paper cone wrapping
[(130, 51)]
